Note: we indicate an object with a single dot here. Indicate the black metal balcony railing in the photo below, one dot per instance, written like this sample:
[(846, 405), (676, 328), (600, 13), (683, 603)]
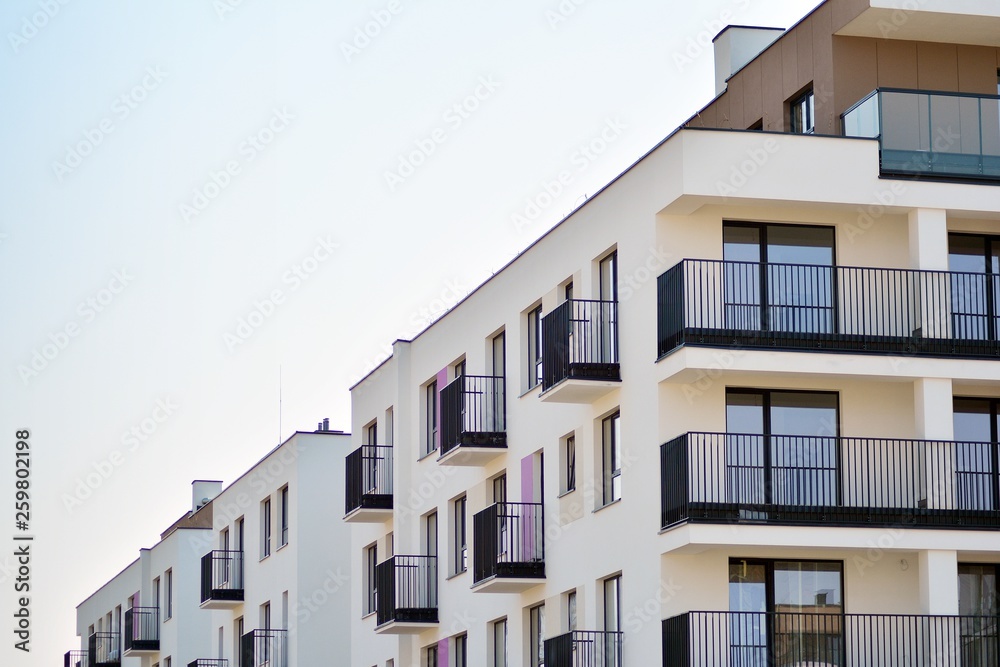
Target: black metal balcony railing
[(584, 649), (75, 659), (844, 309), (726, 477), (924, 133), (264, 648), (142, 629), (508, 541), (580, 340), (473, 413), (825, 639), (369, 478), (406, 590), (222, 576), (104, 649), (209, 662)]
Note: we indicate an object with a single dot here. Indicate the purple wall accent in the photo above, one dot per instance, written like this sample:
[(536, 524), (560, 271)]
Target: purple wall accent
[(528, 479), (442, 380), (443, 653)]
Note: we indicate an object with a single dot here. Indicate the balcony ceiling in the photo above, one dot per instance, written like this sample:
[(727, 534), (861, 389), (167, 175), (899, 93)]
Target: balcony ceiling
[(947, 21)]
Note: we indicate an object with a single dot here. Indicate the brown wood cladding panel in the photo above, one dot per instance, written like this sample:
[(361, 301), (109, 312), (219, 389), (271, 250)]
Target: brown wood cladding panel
[(897, 63), (723, 118), (843, 12), (855, 73), (705, 117), (752, 101), (739, 117), (937, 66), (789, 64), (821, 71), (770, 65), (977, 69)]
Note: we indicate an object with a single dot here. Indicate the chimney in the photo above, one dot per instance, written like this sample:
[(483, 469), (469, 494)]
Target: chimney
[(326, 423), (202, 491), (737, 45)]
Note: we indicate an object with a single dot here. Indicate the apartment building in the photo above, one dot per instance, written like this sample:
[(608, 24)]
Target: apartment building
[(740, 408), (148, 613), (256, 574)]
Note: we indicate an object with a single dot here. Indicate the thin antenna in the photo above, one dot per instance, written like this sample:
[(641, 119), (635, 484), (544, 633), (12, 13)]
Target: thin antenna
[(279, 404)]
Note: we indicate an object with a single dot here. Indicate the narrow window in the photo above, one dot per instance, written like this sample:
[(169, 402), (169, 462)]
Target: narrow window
[(169, 579), (612, 455), (536, 635), (265, 529), (569, 464), (371, 560), (460, 552), (534, 371), (283, 510), (430, 417), (500, 643), (802, 112)]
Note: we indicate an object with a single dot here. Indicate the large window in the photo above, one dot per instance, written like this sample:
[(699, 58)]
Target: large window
[(612, 458), (371, 560), (977, 605), (430, 417), (283, 516), (975, 287), (500, 643), (460, 545), (534, 347), (977, 423), (779, 277), (802, 113), (781, 447), (536, 635), (786, 611), (265, 528)]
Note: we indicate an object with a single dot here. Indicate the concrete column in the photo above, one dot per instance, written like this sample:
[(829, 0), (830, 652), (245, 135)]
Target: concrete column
[(938, 582), (928, 239), (932, 399)]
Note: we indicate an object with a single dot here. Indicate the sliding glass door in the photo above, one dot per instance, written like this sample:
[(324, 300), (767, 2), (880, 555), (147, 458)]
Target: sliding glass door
[(975, 290)]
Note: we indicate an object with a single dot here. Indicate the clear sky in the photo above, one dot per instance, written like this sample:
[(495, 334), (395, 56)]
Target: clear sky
[(196, 194)]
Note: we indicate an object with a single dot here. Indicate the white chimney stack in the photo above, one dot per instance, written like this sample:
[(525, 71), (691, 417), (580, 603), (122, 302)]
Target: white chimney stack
[(737, 45), (203, 491)]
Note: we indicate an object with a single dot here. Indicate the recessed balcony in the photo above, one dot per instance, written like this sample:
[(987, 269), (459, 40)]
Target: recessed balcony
[(473, 420), (406, 594), (508, 548), (264, 648), (585, 649), (104, 649), (815, 480), (580, 361), (927, 134), (816, 636), (811, 308), (75, 659), (142, 631), (221, 579), (368, 485)]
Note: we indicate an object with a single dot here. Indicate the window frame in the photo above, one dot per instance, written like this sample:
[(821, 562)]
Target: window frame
[(806, 102), (534, 347), (265, 528), (283, 516), (611, 455), (432, 418), (460, 536), (371, 590)]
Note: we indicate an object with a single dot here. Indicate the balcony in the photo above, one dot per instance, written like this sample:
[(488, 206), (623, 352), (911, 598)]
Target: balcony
[(221, 579), (142, 630), (713, 639), (264, 648), (473, 421), (75, 659), (931, 134), (789, 480), (748, 305), (508, 547), (104, 650), (580, 361), (406, 594), (584, 649), (369, 484), (209, 662)]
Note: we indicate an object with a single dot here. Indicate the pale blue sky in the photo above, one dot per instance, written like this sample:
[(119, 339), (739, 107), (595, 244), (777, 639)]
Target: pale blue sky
[(199, 78)]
